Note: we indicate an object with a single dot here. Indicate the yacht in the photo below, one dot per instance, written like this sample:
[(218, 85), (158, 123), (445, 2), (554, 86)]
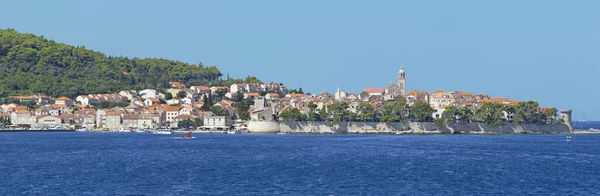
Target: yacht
[(81, 130), (162, 132), (237, 131)]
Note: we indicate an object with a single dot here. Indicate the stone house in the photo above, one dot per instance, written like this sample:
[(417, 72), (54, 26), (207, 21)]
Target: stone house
[(440, 99), (113, 120), (23, 118), (217, 122), (130, 121), (272, 96), (64, 101), (148, 93), (48, 121), (238, 87), (171, 112), (151, 101)]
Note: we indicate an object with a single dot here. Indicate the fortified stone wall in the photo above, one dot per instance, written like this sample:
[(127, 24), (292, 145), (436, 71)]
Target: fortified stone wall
[(416, 128)]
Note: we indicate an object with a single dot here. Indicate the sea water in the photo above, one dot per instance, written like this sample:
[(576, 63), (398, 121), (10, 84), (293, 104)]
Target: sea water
[(77, 163)]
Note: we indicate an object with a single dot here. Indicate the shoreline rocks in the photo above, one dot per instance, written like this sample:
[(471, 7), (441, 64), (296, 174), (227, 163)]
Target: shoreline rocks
[(416, 128)]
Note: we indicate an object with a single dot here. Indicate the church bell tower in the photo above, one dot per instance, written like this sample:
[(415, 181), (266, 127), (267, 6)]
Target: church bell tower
[(402, 81)]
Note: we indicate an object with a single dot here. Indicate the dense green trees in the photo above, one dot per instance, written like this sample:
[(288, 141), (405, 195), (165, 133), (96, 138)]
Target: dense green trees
[(243, 106), (207, 104), (292, 114), (493, 114), (394, 111), (198, 122), (551, 115), (106, 104), (421, 112), (339, 112), (323, 114), (313, 113), (366, 112), (184, 124), (219, 111), (5, 121), (181, 94), (168, 96), (32, 64), (457, 115)]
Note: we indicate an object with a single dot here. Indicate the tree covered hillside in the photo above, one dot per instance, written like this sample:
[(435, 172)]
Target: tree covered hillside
[(33, 64)]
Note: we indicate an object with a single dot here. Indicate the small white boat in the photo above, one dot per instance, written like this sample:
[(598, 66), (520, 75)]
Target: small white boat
[(162, 132), (234, 132), (140, 131), (82, 130)]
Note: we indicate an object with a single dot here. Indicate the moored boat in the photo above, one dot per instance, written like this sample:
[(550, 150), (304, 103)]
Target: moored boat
[(234, 132), (162, 132)]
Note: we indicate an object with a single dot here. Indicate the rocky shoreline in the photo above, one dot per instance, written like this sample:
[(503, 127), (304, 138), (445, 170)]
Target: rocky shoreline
[(401, 128)]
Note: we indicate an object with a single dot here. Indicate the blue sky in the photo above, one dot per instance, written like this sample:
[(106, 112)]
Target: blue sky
[(542, 50)]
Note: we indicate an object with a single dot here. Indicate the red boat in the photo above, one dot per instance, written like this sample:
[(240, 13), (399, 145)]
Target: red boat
[(188, 135)]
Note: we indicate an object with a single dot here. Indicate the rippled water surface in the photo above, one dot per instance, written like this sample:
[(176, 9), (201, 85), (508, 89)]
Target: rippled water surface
[(145, 164)]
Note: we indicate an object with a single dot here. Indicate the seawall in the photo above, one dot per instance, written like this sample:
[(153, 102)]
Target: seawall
[(37, 130), (416, 128)]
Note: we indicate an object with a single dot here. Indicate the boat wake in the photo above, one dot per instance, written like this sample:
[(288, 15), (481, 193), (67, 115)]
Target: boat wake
[(181, 138)]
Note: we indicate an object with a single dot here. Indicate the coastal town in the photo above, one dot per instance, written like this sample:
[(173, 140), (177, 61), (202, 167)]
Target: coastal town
[(222, 108)]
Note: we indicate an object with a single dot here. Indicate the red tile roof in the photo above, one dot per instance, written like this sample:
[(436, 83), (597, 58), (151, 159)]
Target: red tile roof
[(202, 88), (464, 94), (172, 108), (59, 106), (67, 116), (177, 84), (185, 117), (63, 98), (21, 97), (413, 93), (22, 111), (297, 95), (374, 90), (113, 113), (130, 117)]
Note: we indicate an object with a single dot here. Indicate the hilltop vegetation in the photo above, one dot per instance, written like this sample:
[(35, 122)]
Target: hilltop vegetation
[(33, 64)]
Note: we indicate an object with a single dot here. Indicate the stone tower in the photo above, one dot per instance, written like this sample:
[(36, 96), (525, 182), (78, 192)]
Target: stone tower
[(402, 81), (566, 116)]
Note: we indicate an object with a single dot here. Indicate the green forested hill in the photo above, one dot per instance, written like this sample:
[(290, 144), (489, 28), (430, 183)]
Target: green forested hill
[(34, 64)]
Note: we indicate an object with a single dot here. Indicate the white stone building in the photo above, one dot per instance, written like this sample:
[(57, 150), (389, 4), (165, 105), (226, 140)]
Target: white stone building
[(217, 122)]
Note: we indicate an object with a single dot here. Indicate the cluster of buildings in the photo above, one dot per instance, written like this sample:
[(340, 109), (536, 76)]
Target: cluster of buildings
[(151, 109), (143, 109)]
